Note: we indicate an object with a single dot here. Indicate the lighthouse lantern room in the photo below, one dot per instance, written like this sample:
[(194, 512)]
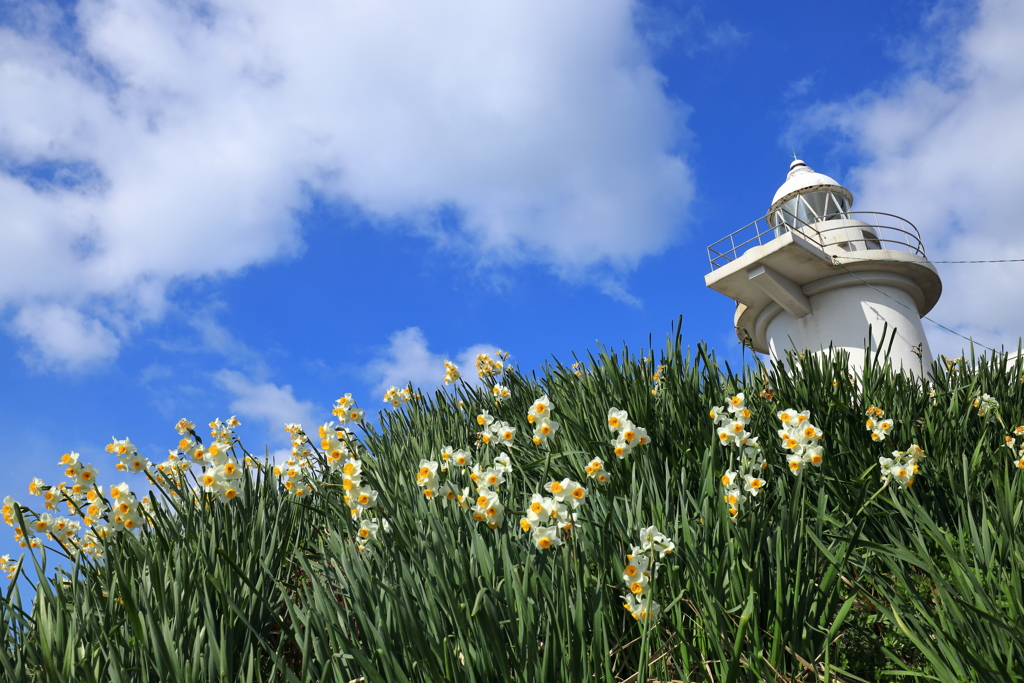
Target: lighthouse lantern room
[(813, 274)]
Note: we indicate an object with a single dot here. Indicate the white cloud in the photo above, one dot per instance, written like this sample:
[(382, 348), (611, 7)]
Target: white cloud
[(266, 402), (945, 149), (180, 139), (408, 359), (63, 337)]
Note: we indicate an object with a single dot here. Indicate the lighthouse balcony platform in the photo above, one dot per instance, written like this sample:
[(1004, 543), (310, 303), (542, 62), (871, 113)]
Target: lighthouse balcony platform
[(772, 266)]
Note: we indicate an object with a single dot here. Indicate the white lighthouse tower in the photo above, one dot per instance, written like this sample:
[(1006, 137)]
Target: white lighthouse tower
[(812, 274)]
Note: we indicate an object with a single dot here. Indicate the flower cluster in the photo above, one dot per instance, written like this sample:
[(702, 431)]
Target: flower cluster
[(222, 472), (360, 497), (732, 425), (641, 570), (427, 477), (656, 381), (128, 456), (8, 510), (494, 431), (879, 428), (488, 367), (8, 566), (627, 435), (986, 405), (595, 470), (296, 474), (486, 507), (801, 438), (902, 466), (746, 464), (117, 508), (397, 397), (107, 511), (125, 511), (347, 411), (1017, 450), (451, 372), (547, 514), (501, 393), (461, 458), (540, 415)]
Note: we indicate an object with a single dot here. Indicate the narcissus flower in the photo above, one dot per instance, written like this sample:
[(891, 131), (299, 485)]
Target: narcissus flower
[(545, 537), (616, 417), (541, 408), (754, 484)]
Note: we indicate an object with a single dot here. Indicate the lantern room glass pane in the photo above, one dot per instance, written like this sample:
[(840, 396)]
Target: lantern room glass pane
[(807, 208), (814, 206)]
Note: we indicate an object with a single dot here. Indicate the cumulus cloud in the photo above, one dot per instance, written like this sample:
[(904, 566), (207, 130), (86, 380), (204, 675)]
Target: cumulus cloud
[(407, 359), (944, 148), (61, 335), (146, 142), (266, 402)]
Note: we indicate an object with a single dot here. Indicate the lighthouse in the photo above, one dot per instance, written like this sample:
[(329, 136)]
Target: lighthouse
[(813, 274)]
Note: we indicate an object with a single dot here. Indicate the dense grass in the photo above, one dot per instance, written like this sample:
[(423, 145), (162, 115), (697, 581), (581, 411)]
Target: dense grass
[(827, 576)]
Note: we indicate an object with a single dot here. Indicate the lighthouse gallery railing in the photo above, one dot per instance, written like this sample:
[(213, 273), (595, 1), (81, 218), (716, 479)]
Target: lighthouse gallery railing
[(891, 232)]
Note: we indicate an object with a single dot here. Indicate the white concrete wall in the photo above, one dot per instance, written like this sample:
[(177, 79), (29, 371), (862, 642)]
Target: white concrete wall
[(842, 316)]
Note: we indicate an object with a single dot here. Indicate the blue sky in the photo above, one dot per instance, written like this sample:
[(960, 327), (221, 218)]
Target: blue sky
[(251, 208)]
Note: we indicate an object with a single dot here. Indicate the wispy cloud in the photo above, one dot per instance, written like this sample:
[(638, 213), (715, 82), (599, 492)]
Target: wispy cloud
[(800, 87), (266, 402), (408, 359), (945, 149), (147, 142), (684, 26)]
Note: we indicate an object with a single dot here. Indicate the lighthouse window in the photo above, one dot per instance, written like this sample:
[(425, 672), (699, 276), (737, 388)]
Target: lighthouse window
[(871, 241)]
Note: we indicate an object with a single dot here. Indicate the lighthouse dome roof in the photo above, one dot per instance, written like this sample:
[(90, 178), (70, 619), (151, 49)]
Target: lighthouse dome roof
[(802, 178)]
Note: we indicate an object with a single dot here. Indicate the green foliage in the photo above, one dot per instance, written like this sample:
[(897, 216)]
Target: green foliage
[(826, 576)]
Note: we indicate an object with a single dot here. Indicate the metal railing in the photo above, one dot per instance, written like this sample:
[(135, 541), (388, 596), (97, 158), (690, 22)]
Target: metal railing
[(891, 232)]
